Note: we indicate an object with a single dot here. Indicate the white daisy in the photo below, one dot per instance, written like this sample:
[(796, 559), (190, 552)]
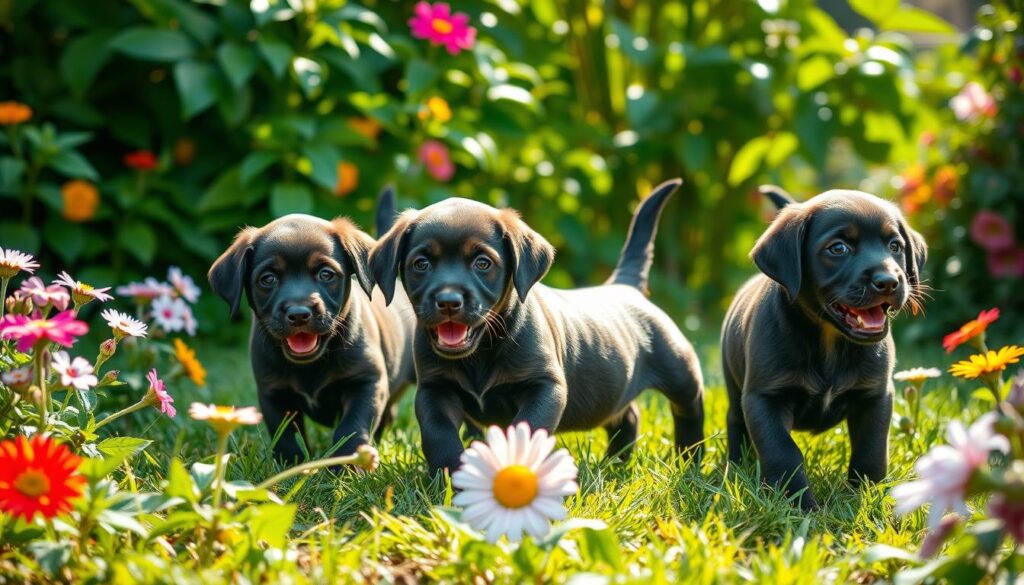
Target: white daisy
[(18, 378), (74, 373), (124, 325), (190, 321), (169, 313), (916, 374), (514, 483), (184, 284), (82, 292), (13, 262)]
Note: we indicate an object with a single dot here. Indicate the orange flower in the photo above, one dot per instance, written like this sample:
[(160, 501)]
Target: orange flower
[(80, 200), (38, 476), (990, 363), (970, 330), (12, 113), (435, 108), (368, 127), (348, 178), (187, 358), (945, 185)]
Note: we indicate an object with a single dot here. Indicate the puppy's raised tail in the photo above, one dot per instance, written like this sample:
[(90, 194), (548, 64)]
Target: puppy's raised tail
[(779, 196), (387, 210), (638, 253)]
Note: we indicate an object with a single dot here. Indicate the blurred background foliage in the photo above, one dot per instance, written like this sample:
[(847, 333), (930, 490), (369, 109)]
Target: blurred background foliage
[(159, 127)]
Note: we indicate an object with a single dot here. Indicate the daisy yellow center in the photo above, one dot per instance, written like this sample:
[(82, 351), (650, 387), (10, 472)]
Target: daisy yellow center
[(515, 486), (39, 324), (32, 483), (441, 26)]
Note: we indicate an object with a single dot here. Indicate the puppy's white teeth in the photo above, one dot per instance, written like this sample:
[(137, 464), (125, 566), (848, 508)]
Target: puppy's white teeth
[(860, 320)]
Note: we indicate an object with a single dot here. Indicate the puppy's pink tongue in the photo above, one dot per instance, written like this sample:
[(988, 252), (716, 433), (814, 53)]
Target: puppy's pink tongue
[(301, 343), (452, 334), (871, 318)]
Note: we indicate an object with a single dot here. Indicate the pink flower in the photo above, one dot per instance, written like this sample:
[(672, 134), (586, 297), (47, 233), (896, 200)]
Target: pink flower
[(76, 373), (1011, 513), (145, 291), (81, 290), (169, 313), (44, 296), (13, 262), (437, 24), (183, 283), (946, 470), (189, 320), (61, 329), (971, 102), (991, 231), (1006, 263), (439, 165), (157, 395)]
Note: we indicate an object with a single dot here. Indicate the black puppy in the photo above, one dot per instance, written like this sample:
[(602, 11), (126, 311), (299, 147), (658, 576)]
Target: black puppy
[(491, 351), (807, 344), (317, 346)]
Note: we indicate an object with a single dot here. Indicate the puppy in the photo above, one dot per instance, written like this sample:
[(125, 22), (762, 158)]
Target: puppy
[(806, 344), (493, 347), (318, 346)]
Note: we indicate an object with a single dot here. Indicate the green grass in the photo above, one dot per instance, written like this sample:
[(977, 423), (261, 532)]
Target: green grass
[(672, 521)]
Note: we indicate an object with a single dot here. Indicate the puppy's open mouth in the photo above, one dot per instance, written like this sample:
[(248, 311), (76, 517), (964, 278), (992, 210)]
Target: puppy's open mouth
[(454, 339), (302, 345), (862, 322)]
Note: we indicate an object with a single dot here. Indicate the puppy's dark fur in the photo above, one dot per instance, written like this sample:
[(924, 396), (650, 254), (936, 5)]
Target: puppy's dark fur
[(560, 360), (296, 273), (792, 359)]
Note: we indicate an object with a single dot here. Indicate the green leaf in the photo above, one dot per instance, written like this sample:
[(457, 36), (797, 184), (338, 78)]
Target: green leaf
[(254, 164), (122, 448), (73, 165), (121, 521), (271, 522), (784, 144), (67, 239), (238, 63), (138, 239), (11, 170), (419, 75), (875, 10), (277, 55), (602, 546), (325, 159), (910, 19), (814, 72), (288, 198), (198, 86), (226, 192), (203, 473), (153, 44), (748, 160), (545, 11), (309, 75), (19, 236), (883, 552), (179, 483), (51, 556), (83, 58)]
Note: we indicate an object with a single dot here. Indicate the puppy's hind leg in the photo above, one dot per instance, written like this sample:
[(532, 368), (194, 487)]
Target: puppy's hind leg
[(622, 433), (736, 424), (686, 397)]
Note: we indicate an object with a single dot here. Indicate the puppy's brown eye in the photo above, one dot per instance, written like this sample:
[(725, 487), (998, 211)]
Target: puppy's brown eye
[(482, 263), (896, 247), (421, 264), (268, 279), (326, 275), (838, 249)]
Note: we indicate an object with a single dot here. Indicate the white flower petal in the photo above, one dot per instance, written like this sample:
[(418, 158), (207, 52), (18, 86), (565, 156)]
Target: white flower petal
[(549, 507), (536, 524), (515, 526), (470, 497)]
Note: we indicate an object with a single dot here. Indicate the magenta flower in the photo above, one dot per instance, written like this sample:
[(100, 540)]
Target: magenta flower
[(157, 395), (991, 231), (437, 24), (44, 296), (435, 156), (61, 329), (1006, 263), (971, 102)]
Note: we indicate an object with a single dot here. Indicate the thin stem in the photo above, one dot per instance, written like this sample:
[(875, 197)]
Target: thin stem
[(3, 294), (310, 466), (41, 365), (218, 472), (137, 406)]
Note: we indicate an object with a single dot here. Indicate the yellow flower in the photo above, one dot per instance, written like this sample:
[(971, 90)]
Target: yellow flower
[(368, 127), (992, 362), (187, 358), (80, 200), (435, 108), (348, 178), (12, 113), (224, 419)]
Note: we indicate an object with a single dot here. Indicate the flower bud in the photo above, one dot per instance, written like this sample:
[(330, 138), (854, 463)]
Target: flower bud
[(910, 393), (109, 378), (367, 457), (108, 348), (905, 425), (18, 305), (932, 543)]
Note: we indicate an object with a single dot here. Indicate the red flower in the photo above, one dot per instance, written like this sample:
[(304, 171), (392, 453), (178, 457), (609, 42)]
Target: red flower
[(38, 476), (970, 330), (144, 160), (61, 329)]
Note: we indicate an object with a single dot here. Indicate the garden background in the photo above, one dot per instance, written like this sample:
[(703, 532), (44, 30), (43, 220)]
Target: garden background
[(157, 128)]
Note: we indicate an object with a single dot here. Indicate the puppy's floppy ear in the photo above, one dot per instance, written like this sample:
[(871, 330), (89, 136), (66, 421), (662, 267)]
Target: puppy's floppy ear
[(353, 251), (531, 254), (915, 253), (388, 253), (779, 251), (229, 273)]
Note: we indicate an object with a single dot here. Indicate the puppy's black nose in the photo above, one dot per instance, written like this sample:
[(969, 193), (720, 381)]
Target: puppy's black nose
[(885, 282), (298, 315), (449, 301)]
